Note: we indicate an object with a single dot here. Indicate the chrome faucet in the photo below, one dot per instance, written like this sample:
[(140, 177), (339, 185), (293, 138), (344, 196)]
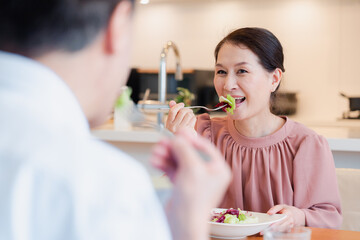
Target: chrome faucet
[(162, 76)]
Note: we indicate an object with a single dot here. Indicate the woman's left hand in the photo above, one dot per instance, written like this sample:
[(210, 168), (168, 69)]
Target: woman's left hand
[(294, 217)]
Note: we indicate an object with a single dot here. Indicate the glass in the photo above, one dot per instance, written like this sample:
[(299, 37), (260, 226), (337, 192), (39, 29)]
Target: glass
[(296, 233)]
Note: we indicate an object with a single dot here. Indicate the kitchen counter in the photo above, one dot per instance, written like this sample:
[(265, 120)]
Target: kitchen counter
[(343, 137), (342, 134), (339, 138), (136, 135)]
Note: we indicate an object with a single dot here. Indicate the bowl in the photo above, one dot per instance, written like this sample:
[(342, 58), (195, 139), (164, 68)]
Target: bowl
[(238, 231)]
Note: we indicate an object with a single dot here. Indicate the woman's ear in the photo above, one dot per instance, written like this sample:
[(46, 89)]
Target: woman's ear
[(118, 30), (276, 78)]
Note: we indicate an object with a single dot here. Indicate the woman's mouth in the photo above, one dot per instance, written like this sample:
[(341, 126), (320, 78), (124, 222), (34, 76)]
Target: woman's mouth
[(239, 100)]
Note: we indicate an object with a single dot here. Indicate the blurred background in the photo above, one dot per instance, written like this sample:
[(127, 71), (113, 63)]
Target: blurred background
[(321, 41)]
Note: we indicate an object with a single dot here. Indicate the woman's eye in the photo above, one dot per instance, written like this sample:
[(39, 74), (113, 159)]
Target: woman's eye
[(221, 72), (242, 71)]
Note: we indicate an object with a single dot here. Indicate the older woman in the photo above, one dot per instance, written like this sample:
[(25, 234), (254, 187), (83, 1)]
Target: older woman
[(278, 165)]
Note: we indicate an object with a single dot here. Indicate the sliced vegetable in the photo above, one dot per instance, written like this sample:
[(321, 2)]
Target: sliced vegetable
[(234, 216), (241, 217), (229, 218), (230, 101)]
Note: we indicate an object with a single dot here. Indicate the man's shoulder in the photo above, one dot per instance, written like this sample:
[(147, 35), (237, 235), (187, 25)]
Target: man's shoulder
[(82, 157)]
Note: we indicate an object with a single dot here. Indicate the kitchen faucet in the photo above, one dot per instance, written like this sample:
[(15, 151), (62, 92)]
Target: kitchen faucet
[(163, 75)]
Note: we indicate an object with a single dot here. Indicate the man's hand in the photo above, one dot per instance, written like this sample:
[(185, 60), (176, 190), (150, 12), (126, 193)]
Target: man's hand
[(199, 185)]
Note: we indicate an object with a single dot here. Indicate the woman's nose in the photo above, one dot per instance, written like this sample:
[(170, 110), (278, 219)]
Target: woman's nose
[(230, 83)]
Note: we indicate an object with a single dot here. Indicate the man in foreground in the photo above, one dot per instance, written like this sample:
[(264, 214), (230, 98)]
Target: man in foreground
[(62, 65)]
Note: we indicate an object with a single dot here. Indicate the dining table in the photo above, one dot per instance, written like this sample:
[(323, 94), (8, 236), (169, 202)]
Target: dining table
[(318, 234)]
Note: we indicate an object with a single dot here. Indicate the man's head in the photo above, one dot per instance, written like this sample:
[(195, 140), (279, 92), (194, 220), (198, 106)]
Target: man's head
[(32, 27), (86, 42)]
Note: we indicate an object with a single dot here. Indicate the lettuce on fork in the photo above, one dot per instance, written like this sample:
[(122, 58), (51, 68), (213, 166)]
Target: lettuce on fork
[(230, 101)]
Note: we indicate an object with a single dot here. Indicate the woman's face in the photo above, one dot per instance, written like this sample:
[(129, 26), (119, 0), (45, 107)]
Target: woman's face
[(238, 72)]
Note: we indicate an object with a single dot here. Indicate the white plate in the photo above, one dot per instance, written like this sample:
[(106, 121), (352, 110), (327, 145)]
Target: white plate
[(237, 231)]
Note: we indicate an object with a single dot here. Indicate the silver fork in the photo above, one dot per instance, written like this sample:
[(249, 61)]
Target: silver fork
[(165, 108), (138, 118)]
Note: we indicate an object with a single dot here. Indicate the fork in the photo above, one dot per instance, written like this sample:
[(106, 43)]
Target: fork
[(165, 108), (138, 118)]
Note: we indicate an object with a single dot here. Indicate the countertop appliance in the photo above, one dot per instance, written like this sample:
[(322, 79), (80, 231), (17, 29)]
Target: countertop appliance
[(284, 103), (354, 107)]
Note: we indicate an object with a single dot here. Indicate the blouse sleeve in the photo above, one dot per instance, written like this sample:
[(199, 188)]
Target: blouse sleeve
[(316, 190), (203, 125)]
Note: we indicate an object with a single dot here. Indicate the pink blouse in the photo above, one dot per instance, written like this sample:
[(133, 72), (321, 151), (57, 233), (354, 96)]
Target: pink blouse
[(292, 166)]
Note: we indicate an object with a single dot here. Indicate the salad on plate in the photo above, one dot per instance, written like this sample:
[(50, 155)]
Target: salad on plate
[(235, 224), (234, 216)]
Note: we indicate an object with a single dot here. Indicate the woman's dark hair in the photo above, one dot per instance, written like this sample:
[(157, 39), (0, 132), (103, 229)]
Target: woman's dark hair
[(32, 27), (261, 42)]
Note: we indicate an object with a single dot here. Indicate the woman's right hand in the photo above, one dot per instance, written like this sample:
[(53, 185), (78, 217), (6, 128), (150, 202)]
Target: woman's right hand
[(180, 117)]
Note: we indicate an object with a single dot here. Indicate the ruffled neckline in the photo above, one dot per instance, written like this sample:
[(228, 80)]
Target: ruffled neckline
[(258, 142)]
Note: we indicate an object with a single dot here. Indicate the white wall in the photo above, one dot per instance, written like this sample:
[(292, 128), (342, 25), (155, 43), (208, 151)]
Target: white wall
[(321, 40)]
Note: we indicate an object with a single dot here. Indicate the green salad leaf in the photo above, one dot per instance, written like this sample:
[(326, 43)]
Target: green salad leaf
[(230, 101), (242, 216), (232, 219)]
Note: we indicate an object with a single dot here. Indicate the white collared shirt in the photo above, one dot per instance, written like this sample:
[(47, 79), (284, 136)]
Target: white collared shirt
[(56, 180)]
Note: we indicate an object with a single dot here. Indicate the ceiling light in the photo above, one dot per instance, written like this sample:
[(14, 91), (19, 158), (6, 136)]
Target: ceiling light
[(144, 1)]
